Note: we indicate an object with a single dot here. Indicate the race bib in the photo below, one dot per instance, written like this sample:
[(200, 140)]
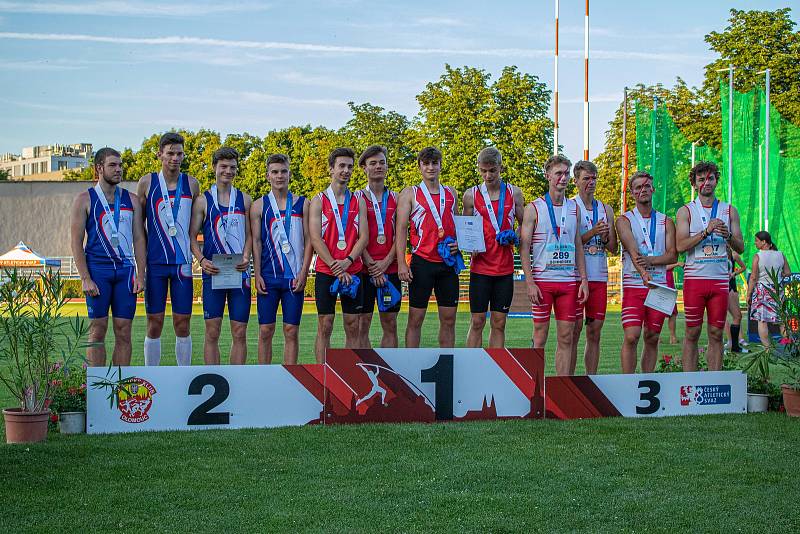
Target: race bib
[(711, 250), (594, 247), (658, 273), (560, 256)]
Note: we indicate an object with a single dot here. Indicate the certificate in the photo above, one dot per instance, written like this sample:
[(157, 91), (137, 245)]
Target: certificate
[(228, 277), (469, 233), (661, 298)]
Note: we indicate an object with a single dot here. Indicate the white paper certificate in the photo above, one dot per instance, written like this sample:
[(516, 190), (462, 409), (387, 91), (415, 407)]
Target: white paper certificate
[(661, 298), (228, 277), (469, 233)]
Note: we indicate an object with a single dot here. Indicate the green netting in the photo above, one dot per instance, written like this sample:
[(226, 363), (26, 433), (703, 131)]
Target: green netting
[(766, 199), (663, 151)]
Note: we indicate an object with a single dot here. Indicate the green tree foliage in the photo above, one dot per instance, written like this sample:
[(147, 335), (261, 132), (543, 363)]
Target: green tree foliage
[(752, 42)]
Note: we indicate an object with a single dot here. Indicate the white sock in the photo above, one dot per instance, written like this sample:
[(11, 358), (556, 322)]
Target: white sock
[(152, 351), (183, 350)]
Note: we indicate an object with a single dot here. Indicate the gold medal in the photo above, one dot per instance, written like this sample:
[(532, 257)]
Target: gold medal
[(341, 245), (381, 239)]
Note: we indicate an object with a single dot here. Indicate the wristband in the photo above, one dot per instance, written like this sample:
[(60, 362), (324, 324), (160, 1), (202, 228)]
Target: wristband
[(352, 261)]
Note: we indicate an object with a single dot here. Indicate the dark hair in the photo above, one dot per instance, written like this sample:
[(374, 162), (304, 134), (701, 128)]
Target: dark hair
[(429, 154), (225, 152), (372, 150), (101, 155), (556, 159), (283, 159), (639, 174), (583, 166), (341, 152), (170, 138), (763, 235), (703, 166)]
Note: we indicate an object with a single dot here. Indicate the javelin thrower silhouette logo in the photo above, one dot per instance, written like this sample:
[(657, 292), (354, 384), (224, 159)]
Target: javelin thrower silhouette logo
[(377, 389)]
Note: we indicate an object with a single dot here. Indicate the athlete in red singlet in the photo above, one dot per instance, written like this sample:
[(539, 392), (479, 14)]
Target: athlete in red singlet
[(380, 263), (491, 273), (595, 224), (648, 240), (338, 233), (429, 208), (551, 251), (703, 228)]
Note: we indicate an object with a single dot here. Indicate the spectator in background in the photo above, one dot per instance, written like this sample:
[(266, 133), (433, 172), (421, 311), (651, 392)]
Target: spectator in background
[(767, 260)]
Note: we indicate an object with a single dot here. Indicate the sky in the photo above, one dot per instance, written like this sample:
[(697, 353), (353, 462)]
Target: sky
[(112, 73)]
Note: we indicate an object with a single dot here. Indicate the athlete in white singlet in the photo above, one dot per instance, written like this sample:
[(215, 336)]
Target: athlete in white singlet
[(704, 226), (112, 263), (599, 238), (551, 252), (648, 240)]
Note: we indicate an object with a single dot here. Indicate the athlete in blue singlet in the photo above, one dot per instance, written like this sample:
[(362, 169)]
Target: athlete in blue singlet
[(281, 254), (167, 198), (111, 265), (222, 215)]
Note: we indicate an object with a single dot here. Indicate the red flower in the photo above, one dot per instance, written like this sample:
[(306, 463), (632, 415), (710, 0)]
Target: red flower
[(667, 359), (56, 382), (785, 341), (781, 408), (54, 418), (73, 391)]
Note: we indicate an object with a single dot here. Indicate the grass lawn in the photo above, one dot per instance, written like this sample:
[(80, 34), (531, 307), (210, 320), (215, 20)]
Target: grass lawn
[(710, 473)]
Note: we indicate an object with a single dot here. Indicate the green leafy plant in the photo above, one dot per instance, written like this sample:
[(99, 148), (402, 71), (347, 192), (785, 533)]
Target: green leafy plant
[(33, 334), (114, 384), (68, 388), (786, 294)]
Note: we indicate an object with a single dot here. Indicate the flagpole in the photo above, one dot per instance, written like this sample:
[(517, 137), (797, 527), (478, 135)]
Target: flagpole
[(555, 91), (586, 84)]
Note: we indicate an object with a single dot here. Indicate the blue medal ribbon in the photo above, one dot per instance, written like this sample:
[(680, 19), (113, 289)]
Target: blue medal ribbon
[(287, 224), (501, 205), (552, 213), (653, 217), (117, 198), (345, 212), (384, 202), (176, 203)]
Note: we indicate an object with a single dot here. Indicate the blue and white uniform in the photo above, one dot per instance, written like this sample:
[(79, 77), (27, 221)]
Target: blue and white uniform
[(224, 233), (279, 268), (111, 267), (169, 258)]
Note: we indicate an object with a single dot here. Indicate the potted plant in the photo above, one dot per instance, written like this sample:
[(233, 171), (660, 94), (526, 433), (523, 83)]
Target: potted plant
[(786, 293), (68, 402), (33, 333), (756, 365)]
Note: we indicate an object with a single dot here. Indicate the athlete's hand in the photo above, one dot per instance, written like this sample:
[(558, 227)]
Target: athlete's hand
[(534, 293), (245, 265), (261, 285), (89, 287), (722, 229), (601, 229), (379, 281), (339, 267), (375, 269), (583, 292), (299, 283), (453, 248), (716, 226), (404, 272), (208, 266), (138, 284), (646, 278), (644, 261), (345, 278)]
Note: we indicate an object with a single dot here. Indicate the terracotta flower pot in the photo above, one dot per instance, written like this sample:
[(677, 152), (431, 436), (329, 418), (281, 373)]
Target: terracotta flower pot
[(25, 427), (791, 401)]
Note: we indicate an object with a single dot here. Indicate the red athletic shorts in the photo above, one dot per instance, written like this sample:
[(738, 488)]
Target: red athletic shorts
[(701, 295), (635, 313), (595, 305), (558, 296)]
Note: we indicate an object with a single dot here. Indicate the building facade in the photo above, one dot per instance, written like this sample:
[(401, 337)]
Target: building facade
[(46, 162)]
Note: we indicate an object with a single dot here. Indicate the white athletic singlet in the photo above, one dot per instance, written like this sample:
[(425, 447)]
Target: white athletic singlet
[(709, 259), (630, 276), (553, 257), (594, 252)]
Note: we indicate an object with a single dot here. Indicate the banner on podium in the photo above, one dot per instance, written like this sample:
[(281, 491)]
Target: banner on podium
[(645, 395), (401, 385), (130, 399)]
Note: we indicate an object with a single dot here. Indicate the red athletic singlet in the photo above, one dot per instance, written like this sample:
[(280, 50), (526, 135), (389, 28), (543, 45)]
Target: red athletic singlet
[(498, 260), (376, 250), (330, 235), (424, 233)]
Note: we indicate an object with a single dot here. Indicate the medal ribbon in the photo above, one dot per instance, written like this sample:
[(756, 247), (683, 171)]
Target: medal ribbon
[(552, 213), (437, 215), (500, 206), (172, 215), (231, 208), (104, 203), (380, 211), (341, 220), (700, 212), (285, 222), (651, 234)]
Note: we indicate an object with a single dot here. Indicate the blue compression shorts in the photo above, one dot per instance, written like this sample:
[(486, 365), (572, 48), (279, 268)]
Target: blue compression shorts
[(116, 292), (239, 301), (279, 292), (178, 278)]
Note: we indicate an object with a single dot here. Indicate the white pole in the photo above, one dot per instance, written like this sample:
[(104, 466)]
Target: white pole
[(586, 83), (760, 184), (693, 159), (624, 150), (730, 133), (766, 161), (555, 91)]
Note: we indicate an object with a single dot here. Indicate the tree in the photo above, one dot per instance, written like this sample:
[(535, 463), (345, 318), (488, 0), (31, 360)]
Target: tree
[(5, 175)]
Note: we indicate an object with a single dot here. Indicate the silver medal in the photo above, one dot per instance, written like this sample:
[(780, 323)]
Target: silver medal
[(286, 248), (172, 231), (341, 245)]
